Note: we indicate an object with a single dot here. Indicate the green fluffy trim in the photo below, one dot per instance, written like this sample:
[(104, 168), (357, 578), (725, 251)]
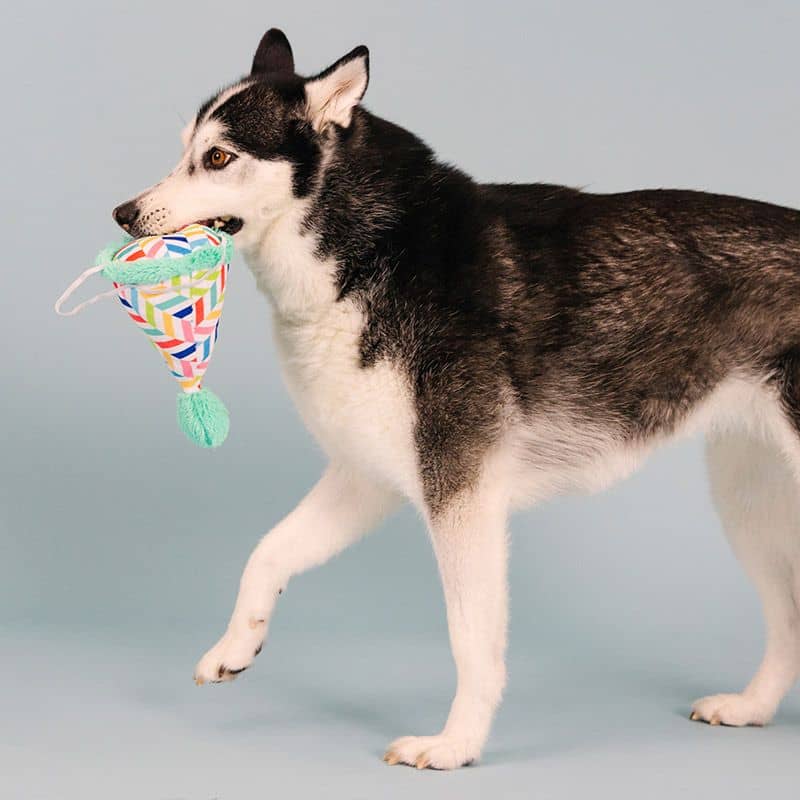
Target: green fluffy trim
[(203, 417), (155, 270)]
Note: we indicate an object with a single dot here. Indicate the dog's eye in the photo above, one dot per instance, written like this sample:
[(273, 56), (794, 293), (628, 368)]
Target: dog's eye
[(217, 159)]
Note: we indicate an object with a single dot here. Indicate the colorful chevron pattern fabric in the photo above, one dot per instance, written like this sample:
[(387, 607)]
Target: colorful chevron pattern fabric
[(181, 314)]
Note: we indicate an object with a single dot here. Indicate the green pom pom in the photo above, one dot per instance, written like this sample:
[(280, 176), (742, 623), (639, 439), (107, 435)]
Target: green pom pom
[(203, 417)]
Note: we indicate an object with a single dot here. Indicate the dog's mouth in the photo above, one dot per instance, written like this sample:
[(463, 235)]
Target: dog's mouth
[(226, 223)]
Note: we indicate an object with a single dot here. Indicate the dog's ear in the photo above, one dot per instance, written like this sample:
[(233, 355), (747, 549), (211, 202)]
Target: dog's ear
[(332, 95), (274, 54)]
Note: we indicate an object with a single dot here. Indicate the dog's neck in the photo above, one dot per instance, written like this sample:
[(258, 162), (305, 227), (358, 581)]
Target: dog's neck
[(311, 254), (288, 269)]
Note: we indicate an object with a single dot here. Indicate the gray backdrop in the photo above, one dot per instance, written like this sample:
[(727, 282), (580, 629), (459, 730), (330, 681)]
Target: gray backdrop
[(122, 543)]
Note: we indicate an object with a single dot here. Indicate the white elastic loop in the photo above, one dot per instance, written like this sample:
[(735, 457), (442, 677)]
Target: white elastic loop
[(73, 286)]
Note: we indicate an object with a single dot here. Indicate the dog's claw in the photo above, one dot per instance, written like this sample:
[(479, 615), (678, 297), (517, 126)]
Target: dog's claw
[(694, 716), (233, 653), (199, 681), (735, 710), (431, 752)]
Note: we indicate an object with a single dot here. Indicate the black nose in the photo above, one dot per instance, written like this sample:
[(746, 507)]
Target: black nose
[(126, 213)]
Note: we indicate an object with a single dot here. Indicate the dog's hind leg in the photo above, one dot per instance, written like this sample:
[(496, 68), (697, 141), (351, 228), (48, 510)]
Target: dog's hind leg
[(342, 507), (755, 487), (470, 541)]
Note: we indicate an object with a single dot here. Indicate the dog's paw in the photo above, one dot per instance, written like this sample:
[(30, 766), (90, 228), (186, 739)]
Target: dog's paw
[(434, 752), (232, 654), (731, 709)]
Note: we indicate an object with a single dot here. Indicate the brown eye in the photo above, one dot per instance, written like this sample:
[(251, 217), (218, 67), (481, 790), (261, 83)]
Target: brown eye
[(216, 158)]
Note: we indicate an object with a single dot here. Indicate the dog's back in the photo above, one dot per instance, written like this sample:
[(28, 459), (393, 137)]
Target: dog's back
[(623, 313)]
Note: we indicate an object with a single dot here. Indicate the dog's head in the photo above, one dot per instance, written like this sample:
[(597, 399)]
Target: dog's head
[(255, 148)]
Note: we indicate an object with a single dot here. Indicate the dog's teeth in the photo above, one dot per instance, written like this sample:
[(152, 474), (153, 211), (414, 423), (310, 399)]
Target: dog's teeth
[(227, 218)]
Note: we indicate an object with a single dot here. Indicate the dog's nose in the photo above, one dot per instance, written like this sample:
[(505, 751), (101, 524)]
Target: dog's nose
[(125, 215)]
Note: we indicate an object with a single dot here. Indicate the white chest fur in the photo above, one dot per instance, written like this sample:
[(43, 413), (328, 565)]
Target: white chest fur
[(363, 416)]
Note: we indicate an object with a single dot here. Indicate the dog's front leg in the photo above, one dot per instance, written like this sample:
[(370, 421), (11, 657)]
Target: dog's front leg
[(341, 508), (469, 537)]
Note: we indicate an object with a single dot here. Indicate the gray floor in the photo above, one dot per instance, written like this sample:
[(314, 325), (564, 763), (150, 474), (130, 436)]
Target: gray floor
[(99, 717)]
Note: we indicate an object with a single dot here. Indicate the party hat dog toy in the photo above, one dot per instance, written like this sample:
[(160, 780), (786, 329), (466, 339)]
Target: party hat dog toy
[(173, 288)]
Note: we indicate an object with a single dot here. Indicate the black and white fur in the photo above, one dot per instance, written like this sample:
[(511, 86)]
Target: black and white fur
[(473, 348)]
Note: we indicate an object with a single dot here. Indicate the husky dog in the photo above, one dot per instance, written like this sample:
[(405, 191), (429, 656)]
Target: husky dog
[(473, 348)]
